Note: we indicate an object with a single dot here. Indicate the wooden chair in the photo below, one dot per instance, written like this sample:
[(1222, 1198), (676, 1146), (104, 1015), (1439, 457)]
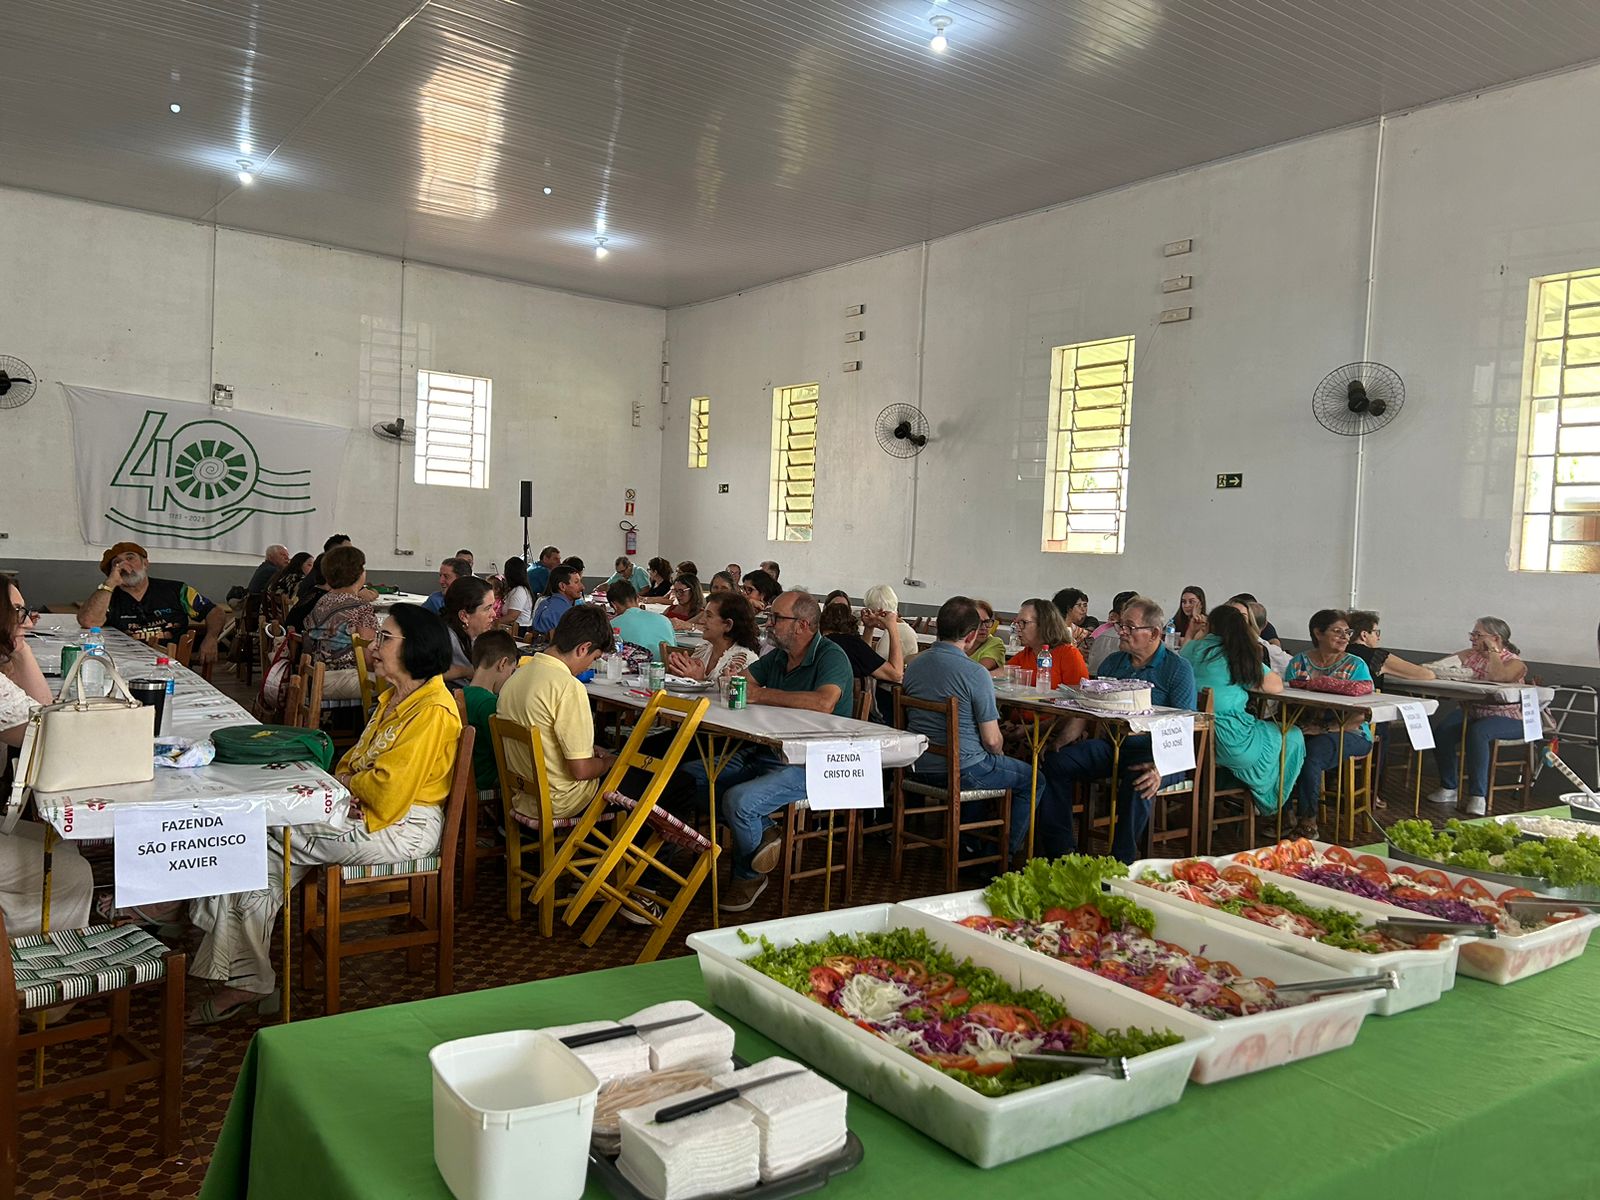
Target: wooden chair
[(1174, 830), (547, 830), (609, 865), (1521, 760), (305, 709), (41, 971), (246, 636), (943, 807), (1220, 784), (364, 676), (1352, 794), (803, 828), (180, 651), (427, 905)]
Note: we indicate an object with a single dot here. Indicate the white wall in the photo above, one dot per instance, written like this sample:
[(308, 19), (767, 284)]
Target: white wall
[(1281, 252), (115, 299)]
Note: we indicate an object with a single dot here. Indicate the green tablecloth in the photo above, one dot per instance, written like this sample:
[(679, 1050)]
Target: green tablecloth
[(1492, 1091)]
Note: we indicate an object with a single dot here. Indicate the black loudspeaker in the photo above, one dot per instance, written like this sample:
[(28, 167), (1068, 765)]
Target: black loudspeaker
[(527, 497)]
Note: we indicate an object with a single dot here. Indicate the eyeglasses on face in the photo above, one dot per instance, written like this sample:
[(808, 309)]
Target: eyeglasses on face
[(777, 616), (1340, 633), (1129, 629), (385, 635)]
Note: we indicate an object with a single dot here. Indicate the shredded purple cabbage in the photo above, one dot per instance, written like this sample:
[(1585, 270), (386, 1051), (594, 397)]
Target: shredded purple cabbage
[(1444, 908)]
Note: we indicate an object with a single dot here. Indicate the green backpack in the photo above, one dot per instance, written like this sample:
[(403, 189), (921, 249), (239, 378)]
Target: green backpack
[(272, 744)]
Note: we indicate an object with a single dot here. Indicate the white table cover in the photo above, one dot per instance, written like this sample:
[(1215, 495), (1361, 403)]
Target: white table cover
[(390, 599), (1136, 722), (291, 793), (1380, 707), (1469, 689)]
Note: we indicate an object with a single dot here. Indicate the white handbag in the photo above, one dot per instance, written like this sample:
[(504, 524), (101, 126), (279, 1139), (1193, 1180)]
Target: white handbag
[(89, 741)]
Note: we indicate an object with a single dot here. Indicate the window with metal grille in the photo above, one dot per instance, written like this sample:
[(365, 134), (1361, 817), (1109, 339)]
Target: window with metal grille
[(1558, 488), (794, 463), (699, 431), (452, 429), (1086, 450)]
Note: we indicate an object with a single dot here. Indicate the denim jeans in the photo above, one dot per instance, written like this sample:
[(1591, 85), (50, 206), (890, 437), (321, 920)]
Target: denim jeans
[(995, 771), (754, 783), (1322, 754), (1481, 734), (1087, 761)]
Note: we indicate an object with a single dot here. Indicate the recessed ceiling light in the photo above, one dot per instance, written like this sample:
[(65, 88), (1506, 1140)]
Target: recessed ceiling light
[(939, 43), (247, 174), (177, 108), (547, 191), (600, 250), (245, 148)]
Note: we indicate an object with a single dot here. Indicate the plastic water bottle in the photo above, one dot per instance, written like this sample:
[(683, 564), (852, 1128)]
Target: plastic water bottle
[(1170, 636), (164, 671), (95, 680), (1045, 662)]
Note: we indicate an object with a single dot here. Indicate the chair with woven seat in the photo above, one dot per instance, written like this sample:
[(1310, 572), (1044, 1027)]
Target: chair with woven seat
[(427, 903), (1521, 760), (547, 830), (44, 970), (945, 800), (609, 864), (802, 829)]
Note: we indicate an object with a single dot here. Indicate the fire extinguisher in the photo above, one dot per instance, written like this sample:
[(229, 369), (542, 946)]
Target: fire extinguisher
[(630, 536)]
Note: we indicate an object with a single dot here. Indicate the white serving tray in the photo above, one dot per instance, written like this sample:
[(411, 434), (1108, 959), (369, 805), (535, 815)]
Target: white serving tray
[(1424, 975), (1503, 960), (985, 1130), (1240, 1045)]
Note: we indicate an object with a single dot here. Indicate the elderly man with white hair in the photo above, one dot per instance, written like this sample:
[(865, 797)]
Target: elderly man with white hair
[(883, 604), (274, 560)]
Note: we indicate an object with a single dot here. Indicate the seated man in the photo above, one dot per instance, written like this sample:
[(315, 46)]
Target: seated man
[(470, 559), (152, 610), (495, 655), (1171, 679), (805, 671), (539, 573), (637, 626), (1107, 638), (943, 670), (275, 560), (450, 570), (566, 589)]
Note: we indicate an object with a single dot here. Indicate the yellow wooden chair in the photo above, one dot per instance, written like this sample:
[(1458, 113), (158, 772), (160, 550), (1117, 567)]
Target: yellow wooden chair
[(369, 691), (527, 836), (610, 865)]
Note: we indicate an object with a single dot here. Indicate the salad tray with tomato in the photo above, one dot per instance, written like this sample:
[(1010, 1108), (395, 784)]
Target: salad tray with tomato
[(923, 1018), (1528, 942), (1326, 926), (1225, 976)]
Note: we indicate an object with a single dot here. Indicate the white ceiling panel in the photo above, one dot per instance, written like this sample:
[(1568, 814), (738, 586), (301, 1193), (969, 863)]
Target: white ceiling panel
[(715, 145)]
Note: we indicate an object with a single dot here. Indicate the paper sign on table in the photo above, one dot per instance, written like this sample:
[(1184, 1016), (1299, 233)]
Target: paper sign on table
[(1532, 726), (844, 775), (1417, 727), (177, 854), (1172, 744)]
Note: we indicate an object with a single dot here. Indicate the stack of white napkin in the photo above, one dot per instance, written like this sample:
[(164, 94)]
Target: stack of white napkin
[(704, 1043), (712, 1152), (615, 1059), (800, 1119)]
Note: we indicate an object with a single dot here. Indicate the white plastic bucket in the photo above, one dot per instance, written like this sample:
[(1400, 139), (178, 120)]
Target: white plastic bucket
[(509, 1108)]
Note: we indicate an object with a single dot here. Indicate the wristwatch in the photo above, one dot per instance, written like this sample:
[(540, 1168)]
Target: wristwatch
[(105, 587)]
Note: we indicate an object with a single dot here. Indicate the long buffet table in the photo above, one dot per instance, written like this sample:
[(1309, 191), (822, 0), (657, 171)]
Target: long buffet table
[(1489, 1092)]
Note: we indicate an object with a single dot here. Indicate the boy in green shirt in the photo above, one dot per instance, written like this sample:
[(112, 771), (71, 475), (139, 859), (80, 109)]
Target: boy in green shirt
[(494, 659)]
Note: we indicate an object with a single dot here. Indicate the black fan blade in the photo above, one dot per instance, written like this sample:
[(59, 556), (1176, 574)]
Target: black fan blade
[(919, 440), (1378, 407), (1356, 396), (903, 430)]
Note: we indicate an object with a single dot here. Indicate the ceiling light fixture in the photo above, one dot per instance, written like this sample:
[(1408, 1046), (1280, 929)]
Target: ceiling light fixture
[(246, 172), (245, 148), (177, 108), (600, 250), (939, 43), (547, 191)]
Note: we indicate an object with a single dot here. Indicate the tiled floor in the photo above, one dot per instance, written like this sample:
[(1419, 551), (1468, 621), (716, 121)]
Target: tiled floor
[(85, 1151)]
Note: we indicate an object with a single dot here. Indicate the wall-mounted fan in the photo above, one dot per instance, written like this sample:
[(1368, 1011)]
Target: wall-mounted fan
[(17, 382), (1358, 398), (395, 431), (902, 430)]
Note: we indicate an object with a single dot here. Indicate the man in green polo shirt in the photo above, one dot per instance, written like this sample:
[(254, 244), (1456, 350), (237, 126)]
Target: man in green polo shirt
[(805, 671)]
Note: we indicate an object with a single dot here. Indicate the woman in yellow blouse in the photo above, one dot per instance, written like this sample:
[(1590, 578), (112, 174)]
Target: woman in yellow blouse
[(399, 777)]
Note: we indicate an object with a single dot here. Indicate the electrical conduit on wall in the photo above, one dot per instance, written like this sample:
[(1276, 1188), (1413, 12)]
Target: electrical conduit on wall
[(1366, 356), (911, 579)]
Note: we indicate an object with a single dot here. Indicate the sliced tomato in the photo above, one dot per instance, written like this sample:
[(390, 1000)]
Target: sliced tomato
[(963, 1062), (1378, 876), (1086, 917), (1008, 1018), (1338, 854), (1192, 870), (1228, 998), (1244, 878), (825, 981), (1057, 913), (1369, 862), (984, 924), (1434, 878), (1223, 964), (1403, 892), (1471, 889), (883, 968), (844, 964), (1302, 848), (1072, 1026), (939, 985), (1516, 894), (1153, 984), (914, 970), (954, 998)]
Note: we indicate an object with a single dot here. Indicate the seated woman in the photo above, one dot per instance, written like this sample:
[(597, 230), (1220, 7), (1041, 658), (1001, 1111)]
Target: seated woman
[(1073, 605), (990, 652), (399, 777), (760, 589), (687, 601), (722, 581), (1329, 739), (22, 687), (688, 567), (660, 583), (1492, 658), (1191, 608), (732, 642), (286, 583), (837, 596), (880, 614), (839, 627), (628, 571), (339, 615), (1364, 644), (1038, 624), (468, 611), (516, 606), (1228, 661)]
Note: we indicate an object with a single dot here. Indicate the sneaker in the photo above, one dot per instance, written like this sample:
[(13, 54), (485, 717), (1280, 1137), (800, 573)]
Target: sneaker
[(1475, 806), (650, 906), (767, 853), (742, 894), (1445, 796)]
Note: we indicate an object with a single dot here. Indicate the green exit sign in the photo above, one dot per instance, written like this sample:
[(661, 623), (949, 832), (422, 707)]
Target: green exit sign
[(1233, 479)]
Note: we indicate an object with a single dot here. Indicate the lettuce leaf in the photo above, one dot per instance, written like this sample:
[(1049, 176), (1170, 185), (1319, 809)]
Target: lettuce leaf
[(1065, 882)]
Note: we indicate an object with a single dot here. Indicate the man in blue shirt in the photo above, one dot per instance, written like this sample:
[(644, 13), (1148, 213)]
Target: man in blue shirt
[(450, 570), (539, 573), (566, 589), (634, 625), (1140, 656), (805, 671), (943, 670)]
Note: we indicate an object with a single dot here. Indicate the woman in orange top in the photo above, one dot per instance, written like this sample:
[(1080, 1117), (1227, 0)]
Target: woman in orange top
[(1038, 624)]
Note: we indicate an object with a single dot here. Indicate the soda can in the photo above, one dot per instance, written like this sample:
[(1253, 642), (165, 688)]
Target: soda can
[(736, 692), (69, 655), (658, 676)]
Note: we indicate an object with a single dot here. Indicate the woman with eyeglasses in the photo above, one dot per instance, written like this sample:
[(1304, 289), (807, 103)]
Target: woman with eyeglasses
[(1492, 657), (1330, 738), (880, 615), (760, 589), (17, 663), (1038, 624), (399, 775), (468, 611), (990, 652), (687, 601)]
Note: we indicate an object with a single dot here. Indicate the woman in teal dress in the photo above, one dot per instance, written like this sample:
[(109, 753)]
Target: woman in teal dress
[(1228, 660)]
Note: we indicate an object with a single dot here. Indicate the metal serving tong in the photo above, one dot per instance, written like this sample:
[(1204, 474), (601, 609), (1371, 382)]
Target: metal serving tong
[(1541, 907), (1091, 1064), (1385, 981), (1428, 925), (573, 1040)]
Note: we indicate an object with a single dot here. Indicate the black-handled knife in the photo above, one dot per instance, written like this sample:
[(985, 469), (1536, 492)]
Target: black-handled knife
[(687, 1108), (594, 1036)]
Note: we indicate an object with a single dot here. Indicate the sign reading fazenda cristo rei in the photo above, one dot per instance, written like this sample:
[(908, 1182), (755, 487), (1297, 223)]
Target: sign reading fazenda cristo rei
[(167, 473)]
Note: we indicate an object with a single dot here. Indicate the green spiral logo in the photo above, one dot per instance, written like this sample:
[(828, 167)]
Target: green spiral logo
[(212, 467)]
